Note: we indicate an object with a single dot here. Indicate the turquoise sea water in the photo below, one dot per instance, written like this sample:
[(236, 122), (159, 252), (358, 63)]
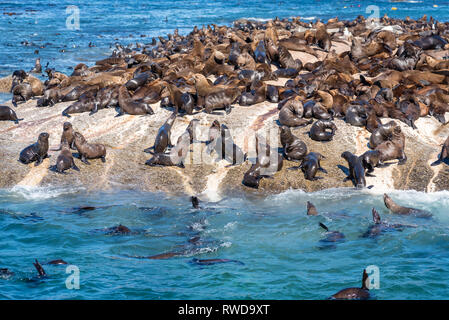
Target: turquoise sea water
[(277, 244)]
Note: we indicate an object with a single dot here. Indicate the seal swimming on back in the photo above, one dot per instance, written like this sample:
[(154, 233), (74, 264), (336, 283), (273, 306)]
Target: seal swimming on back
[(6, 113), (395, 208), (37, 151), (361, 293), (88, 150)]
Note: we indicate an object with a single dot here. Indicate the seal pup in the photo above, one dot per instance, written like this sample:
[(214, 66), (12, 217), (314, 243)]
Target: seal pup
[(6, 113), (88, 150), (356, 169), (444, 154), (395, 208), (162, 141), (382, 134), (311, 164), (322, 130), (65, 159), (361, 293), (67, 136), (294, 148), (37, 151), (21, 93), (311, 209), (176, 156)]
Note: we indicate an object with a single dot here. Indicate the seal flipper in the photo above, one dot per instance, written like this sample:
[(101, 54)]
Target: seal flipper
[(17, 121), (195, 202), (324, 226), (39, 268), (74, 166), (365, 279)]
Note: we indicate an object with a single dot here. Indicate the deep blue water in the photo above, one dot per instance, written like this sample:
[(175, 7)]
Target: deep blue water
[(272, 236)]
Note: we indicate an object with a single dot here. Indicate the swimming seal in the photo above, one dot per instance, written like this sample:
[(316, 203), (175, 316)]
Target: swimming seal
[(208, 262), (294, 148), (37, 151), (162, 141), (395, 208), (356, 169), (311, 164), (311, 209), (6, 113), (379, 226), (65, 159), (39, 268), (361, 293), (320, 130), (331, 238), (88, 150)]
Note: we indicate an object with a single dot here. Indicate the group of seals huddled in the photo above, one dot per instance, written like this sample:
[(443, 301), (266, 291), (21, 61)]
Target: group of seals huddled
[(389, 71)]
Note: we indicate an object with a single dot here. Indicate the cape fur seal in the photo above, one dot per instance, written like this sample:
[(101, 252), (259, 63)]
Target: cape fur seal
[(361, 293), (294, 148), (311, 164), (87, 150), (65, 159), (322, 130), (6, 113), (395, 208), (356, 169), (163, 141), (37, 151)]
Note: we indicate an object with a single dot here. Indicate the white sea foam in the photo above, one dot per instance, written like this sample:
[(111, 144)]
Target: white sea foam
[(38, 193)]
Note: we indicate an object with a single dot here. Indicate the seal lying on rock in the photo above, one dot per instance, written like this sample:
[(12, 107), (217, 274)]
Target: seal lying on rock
[(395, 208), (382, 134), (361, 293), (130, 106), (87, 150), (291, 114), (322, 130), (6, 113), (37, 151)]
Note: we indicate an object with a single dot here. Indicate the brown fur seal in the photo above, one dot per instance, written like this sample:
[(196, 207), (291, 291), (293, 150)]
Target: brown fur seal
[(294, 148), (379, 226), (311, 209), (291, 114), (356, 169), (320, 130), (163, 141), (444, 154), (37, 151), (381, 134), (395, 208), (221, 100), (361, 293), (130, 106), (87, 150), (176, 156), (6, 113), (21, 93), (394, 149), (65, 159), (370, 159), (311, 164)]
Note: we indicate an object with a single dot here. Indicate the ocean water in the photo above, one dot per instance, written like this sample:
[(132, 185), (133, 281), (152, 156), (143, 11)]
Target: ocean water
[(277, 245)]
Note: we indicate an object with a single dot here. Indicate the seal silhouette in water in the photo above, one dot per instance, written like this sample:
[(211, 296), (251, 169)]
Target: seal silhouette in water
[(395, 208), (6, 113), (311, 210), (361, 293), (379, 226), (332, 237), (195, 202), (209, 262), (40, 269), (37, 151)]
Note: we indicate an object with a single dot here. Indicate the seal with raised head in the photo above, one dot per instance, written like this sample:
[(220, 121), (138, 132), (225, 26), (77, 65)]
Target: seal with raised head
[(311, 164), (6, 113), (294, 148), (361, 293), (37, 151), (395, 208), (311, 209), (88, 150), (356, 169), (65, 159), (322, 130), (381, 134), (67, 136), (370, 159), (162, 141), (380, 226)]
